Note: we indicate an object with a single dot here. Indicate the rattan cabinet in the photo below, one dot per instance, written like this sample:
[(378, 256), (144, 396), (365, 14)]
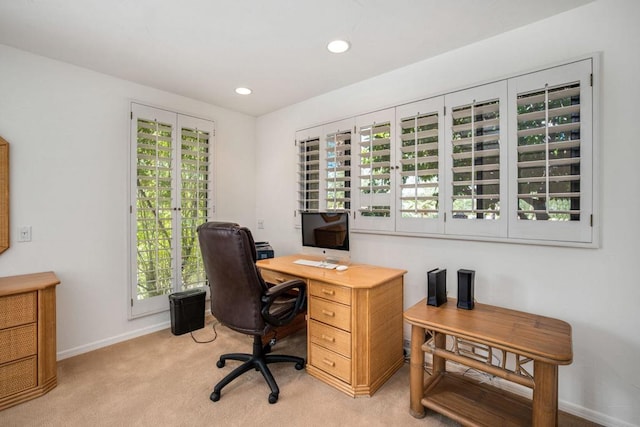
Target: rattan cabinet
[(27, 337)]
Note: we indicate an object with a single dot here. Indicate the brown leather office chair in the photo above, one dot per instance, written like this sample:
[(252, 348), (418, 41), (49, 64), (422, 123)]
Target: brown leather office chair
[(242, 301)]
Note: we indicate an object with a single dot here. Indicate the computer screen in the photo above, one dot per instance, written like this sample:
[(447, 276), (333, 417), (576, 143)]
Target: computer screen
[(325, 230)]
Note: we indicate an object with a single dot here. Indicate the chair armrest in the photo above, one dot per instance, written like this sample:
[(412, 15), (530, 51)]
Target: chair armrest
[(283, 289)]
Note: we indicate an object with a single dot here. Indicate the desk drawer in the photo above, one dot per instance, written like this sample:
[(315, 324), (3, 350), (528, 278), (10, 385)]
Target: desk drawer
[(333, 314), (331, 292), (331, 363), (329, 337), (18, 342), (18, 309), (276, 278)]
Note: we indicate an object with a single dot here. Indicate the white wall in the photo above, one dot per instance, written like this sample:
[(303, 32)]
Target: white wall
[(596, 290), (69, 133)]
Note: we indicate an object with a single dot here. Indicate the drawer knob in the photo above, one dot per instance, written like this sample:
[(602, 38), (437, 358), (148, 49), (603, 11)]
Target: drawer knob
[(329, 362), (328, 313), (328, 291), (328, 338)]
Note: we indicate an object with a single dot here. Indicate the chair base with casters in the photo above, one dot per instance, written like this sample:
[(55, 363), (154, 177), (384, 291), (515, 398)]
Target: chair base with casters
[(242, 301), (258, 361)]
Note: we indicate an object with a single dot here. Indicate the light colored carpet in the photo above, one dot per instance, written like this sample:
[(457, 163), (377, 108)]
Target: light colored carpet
[(165, 380)]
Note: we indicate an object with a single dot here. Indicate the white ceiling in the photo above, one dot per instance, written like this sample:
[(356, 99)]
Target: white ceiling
[(204, 49)]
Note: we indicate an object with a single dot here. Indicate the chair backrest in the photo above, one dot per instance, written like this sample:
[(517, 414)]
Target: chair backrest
[(229, 256)]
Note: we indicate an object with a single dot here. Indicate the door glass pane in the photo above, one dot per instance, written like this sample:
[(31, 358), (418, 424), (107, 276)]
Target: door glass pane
[(154, 221), (194, 203)]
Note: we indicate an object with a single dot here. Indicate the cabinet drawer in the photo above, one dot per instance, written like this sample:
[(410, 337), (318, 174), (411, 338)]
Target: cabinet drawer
[(333, 314), (331, 292), (331, 338), (331, 363), (18, 309), (18, 376), (276, 278), (18, 342)]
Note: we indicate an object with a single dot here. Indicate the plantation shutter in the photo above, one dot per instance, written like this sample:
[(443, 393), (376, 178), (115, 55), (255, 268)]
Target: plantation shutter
[(513, 160), (155, 141), (171, 194), (375, 171), (338, 166), (551, 159), (420, 147), (195, 196), (476, 161), (308, 143), (549, 154)]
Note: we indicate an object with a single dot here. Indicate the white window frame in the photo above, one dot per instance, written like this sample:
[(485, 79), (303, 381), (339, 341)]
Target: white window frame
[(476, 227), (508, 228), (144, 306), (302, 165), (361, 220), (433, 106), (328, 131), (570, 231)]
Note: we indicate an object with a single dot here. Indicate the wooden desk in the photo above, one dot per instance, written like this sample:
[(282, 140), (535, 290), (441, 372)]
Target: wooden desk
[(27, 337), (354, 321), (491, 339)]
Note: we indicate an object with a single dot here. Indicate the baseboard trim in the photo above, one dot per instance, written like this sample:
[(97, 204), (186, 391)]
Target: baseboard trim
[(568, 407), (593, 416), (112, 340)]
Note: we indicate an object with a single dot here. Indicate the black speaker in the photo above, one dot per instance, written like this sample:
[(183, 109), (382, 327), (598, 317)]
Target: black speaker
[(436, 287), (187, 311), (465, 289)]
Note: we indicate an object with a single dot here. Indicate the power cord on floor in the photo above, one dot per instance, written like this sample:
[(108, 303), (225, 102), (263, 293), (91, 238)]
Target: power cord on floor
[(215, 334)]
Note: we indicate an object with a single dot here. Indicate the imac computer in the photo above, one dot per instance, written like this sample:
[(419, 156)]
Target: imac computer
[(326, 234)]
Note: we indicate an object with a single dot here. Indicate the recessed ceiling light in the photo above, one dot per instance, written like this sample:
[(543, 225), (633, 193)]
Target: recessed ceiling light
[(338, 46), (243, 91)]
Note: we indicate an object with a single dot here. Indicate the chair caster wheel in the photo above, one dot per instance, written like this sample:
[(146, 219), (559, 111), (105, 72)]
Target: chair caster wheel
[(273, 398), (220, 363), (215, 396), (299, 366)]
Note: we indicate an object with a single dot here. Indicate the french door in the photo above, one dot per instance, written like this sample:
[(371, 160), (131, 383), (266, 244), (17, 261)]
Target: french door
[(171, 194)]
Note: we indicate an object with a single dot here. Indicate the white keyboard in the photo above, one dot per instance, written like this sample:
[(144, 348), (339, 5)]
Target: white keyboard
[(320, 264)]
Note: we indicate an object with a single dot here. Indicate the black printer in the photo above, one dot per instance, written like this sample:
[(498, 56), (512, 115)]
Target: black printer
[(263, 250)]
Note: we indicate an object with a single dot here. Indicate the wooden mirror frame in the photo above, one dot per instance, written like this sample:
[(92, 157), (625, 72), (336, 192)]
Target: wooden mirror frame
[(4, 195)]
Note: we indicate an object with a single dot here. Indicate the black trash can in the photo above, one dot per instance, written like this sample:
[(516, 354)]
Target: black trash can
[(187, 311)]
